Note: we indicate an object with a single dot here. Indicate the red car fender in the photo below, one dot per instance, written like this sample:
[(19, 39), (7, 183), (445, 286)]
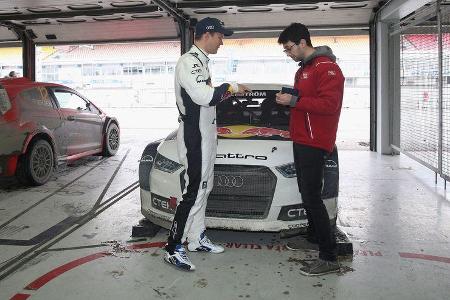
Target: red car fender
[(43, 132), (11, 165)]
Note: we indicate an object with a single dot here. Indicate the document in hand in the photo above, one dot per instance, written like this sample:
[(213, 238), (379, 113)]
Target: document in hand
[(286, 90)]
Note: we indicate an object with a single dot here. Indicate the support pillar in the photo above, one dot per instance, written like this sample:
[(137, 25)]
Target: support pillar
[(28, 54), (187, 36), (383, 145)]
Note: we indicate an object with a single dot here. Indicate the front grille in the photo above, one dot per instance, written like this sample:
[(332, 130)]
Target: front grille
[(244, 192)]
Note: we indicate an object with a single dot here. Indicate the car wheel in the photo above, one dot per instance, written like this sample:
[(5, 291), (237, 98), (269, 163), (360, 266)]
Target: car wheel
[(112, 140), (36, 166)]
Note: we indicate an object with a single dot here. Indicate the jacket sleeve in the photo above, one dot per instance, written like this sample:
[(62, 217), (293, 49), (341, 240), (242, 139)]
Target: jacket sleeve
[(190, 77), (330, 89)]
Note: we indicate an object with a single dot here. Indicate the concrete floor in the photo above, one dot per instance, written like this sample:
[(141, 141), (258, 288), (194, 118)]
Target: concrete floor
[(70, 239)]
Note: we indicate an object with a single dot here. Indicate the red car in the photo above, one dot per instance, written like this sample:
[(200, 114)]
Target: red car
[(45, 124)]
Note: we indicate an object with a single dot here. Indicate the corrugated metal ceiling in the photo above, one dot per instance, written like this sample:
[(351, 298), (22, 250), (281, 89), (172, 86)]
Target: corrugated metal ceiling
[(65, 21)]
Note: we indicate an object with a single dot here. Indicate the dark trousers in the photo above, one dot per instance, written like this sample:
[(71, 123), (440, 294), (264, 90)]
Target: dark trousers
[(309, 164)]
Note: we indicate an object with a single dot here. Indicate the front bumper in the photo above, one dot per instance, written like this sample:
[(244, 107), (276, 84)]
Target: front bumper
[(269, 224)]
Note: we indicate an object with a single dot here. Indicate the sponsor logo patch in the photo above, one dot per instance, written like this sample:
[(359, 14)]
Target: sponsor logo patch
[(330, 164), (292, 212), (254, 94), (200, 78), (241, 156), (164, 204), (245, 131)]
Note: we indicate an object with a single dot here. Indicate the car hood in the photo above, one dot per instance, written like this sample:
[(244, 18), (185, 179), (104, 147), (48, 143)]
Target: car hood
[(242, 151), (254, 152)]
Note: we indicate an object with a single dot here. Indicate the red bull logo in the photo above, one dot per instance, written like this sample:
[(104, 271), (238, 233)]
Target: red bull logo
[(224, 130), (245, 131), (172, 203), (267, 132)]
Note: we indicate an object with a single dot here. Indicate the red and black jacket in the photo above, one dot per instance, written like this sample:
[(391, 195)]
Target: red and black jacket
[(315, 116)]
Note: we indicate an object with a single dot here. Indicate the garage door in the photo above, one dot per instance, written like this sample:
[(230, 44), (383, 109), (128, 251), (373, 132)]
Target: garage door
[(424, 102)]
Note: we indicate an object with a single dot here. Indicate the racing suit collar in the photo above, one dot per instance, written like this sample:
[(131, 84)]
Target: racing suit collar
[(201, 53)]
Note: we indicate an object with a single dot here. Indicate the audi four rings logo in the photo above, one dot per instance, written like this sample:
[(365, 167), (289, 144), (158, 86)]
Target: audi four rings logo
[(229, 181)]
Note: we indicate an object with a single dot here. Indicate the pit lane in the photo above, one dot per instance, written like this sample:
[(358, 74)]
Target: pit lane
[(90, 254)]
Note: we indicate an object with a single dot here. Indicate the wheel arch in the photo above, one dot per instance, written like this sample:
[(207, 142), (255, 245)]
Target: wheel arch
[(109, 120), (23, 172), (146, 164), (32, 137)]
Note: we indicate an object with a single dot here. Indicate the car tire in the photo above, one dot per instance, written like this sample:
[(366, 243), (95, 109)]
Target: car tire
[(112, 140), (36, 165)]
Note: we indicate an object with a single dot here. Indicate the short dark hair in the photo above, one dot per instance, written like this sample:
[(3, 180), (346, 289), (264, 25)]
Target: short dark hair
[(294, 33)]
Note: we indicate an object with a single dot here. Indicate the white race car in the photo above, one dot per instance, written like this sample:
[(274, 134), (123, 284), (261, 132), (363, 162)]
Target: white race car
[(255, 184)]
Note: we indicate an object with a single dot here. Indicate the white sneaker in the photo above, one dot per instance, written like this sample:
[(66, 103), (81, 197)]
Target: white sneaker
[(205, 245), (179, 259)]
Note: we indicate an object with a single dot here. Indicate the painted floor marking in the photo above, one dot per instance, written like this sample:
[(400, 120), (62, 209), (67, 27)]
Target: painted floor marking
[(425, 257), (44, 279), (20, 297), (41, 281)]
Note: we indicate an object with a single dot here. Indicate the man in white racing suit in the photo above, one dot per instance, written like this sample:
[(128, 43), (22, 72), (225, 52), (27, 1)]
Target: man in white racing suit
[(197, 141)]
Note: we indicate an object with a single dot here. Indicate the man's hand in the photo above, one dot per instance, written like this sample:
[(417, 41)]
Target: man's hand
[(283, 99), (242, 89), (236, 88)]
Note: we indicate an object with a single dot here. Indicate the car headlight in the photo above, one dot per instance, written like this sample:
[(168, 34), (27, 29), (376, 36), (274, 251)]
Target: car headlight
[(287, 170), (164, 164)]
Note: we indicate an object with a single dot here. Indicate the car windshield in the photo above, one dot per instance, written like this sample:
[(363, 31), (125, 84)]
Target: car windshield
[(257, 108)]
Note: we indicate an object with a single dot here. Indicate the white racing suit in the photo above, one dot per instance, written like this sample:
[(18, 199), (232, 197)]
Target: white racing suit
[(196, 141)]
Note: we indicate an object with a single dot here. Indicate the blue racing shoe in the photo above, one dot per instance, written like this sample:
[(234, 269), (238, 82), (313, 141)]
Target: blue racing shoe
[(179, 259), (205, 245)]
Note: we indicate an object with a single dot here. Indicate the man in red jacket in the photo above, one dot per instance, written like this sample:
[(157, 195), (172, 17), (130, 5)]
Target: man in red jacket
[(315, 103)]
